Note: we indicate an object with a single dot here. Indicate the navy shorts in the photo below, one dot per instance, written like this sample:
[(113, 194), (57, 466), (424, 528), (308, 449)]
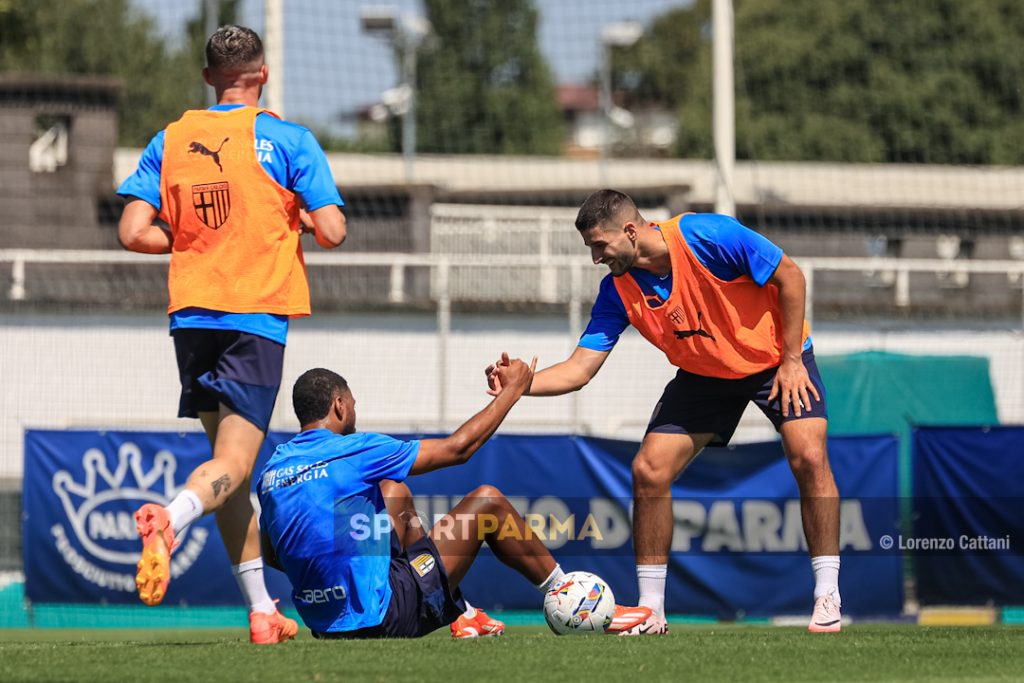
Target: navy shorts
[(421, 600), (693, 404), (238, 369)]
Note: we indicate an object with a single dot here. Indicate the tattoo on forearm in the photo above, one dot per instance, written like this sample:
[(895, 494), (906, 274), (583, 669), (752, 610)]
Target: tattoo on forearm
[(221, 484)]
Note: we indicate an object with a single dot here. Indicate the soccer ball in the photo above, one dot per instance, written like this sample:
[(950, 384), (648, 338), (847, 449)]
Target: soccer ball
[(581, 603)]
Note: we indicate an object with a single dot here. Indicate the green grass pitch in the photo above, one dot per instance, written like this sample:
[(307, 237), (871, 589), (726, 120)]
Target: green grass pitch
[(689, 653)]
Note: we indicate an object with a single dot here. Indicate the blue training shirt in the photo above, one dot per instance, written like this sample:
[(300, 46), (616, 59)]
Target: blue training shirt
[(322, 508), (722, 245), (293, 158)]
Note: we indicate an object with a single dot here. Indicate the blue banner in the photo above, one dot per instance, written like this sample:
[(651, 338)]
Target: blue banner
[(968, 533), (81, 489), (738, 545)]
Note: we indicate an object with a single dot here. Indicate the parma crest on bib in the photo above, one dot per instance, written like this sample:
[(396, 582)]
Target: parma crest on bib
[(212, 203)]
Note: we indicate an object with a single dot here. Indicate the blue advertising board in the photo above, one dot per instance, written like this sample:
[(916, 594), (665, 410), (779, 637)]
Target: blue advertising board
[(738, 545), (968, 533), (80, 492)]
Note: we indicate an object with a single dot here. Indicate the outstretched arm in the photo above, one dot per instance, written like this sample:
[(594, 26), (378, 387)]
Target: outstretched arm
[(792, 383), (572, 374), (458, 448), (136, 230)]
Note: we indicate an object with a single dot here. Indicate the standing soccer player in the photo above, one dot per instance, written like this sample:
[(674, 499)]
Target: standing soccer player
[(726, 306), (231, 183)]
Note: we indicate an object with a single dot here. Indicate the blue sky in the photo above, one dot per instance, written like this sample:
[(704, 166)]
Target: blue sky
[(331, 68)]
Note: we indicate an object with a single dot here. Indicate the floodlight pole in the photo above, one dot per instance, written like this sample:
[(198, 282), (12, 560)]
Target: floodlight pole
[(211, 13), (406, 34), (618, 34), (723, 106), (273, 54), (409, 49), (605, 103)]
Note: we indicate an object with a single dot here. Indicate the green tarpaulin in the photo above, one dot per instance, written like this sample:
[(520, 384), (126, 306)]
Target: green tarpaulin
[(876, 392)]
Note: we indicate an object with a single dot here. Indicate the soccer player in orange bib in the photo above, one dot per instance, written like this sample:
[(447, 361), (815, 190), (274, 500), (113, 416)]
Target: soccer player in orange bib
[(236, 186), (726, 306)]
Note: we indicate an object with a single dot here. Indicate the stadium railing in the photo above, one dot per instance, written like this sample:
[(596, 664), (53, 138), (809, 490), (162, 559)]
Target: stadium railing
[(561, 280)]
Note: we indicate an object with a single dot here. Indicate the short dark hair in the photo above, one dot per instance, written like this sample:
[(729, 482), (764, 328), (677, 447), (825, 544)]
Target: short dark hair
[(233, 46), (314, 392), (602, 206)]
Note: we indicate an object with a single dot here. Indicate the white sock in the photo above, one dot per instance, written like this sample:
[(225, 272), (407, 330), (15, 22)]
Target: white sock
[(470, 610), (184, 509), (553, 578), (826, 577), (250, 580), (651, 578)]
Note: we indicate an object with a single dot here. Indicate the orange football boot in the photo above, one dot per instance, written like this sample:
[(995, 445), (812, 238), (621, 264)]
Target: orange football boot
[(154, 527), (480, 626), (267, 629), (626, 618)]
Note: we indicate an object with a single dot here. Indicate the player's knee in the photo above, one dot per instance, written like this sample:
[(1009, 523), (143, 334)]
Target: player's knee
[(487, 492), (488, 498), (809, 462), (647, 473)]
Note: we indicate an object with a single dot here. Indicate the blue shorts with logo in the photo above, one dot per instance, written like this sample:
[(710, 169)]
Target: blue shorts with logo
[(421, 599), (694, 404), (238, 369)]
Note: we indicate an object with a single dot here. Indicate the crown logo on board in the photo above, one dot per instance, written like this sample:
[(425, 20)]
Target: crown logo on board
[(129, 481)]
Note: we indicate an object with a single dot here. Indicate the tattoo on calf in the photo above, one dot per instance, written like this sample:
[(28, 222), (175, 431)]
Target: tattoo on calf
[(221, 484)]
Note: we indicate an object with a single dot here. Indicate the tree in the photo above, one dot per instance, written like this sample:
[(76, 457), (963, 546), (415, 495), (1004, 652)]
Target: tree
[(68, 37), (483, 87), (929, 81)]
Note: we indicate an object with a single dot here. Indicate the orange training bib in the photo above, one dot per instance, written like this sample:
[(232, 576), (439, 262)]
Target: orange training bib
[(708, 326), (236, 230)]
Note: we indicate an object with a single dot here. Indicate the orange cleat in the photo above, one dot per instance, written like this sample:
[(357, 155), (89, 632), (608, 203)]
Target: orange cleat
[(480, 626), (267, 629), (626, 618), (154, 527)]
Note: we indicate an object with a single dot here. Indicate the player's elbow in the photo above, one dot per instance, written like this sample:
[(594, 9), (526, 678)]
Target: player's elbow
[(458, 450), (581, 381), (331, 228), (129, 236)]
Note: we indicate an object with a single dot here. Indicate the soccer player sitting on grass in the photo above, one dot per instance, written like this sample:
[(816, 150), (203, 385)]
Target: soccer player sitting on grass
[(325, 523)]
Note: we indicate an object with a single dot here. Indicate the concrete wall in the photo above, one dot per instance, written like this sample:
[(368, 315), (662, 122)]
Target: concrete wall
[(59, 208), (118, 371)]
